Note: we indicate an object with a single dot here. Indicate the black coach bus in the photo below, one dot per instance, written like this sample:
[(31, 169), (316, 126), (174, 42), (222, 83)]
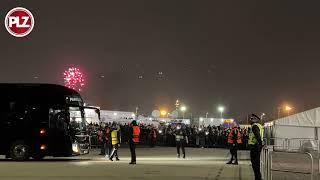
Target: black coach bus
[(35, 121)]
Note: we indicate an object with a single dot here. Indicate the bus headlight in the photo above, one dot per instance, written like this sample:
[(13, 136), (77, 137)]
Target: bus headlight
[(43, 147), (75, 148)]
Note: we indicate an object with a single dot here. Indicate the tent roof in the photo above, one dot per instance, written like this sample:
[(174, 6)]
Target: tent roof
[(310, 118)]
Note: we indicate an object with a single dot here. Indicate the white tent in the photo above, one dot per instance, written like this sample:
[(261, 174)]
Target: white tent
[(301, 125), (116, 116), (304, 125)]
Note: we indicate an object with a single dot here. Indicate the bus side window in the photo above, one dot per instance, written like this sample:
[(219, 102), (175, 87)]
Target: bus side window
[(12, 105), (61, 121)]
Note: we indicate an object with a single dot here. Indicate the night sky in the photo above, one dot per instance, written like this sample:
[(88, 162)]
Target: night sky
[(248, 56)]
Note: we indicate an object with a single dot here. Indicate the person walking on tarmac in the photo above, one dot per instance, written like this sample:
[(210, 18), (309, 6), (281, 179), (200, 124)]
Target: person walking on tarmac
[(115, 140), (256, 144), (181, 140), (108, 143), (234, 140), (102, 139), (133, 140)]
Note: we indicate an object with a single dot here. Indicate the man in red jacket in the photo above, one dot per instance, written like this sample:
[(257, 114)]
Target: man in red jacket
[(234, 139)]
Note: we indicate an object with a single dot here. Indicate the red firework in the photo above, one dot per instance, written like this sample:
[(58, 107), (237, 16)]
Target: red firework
[(73, 78)]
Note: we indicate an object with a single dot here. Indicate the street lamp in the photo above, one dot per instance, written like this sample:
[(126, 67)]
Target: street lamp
[(183, 109), (288, 109), (221, 110), (163, 113)]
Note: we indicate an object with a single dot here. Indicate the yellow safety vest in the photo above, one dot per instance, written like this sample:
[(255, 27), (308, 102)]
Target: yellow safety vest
[(114, 137), (252, 137)]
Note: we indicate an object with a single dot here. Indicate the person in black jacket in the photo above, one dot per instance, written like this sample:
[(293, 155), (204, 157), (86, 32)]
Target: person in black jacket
[(181, 140)]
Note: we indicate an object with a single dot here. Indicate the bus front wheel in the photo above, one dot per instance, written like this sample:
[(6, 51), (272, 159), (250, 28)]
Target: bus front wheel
[(19, 151)]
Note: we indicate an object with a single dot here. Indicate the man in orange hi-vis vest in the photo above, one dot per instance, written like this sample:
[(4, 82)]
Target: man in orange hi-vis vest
[(133, 140), (234, 139)]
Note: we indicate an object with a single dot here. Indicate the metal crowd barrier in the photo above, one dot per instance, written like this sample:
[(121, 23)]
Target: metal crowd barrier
[(292, 146), (267, 163), (296, 144), (277, 143), (291, 171)]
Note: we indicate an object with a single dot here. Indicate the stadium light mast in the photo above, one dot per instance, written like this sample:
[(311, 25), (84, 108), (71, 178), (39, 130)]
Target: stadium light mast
[(221, 110), (183, 109)]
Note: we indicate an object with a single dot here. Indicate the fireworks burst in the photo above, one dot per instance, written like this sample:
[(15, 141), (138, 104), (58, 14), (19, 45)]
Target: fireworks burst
[(74, 79)]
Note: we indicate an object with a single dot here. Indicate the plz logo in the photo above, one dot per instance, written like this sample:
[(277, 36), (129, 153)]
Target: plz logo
[(19, 22)]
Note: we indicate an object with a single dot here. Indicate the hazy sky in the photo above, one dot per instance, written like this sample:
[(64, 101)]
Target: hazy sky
[(249, 56)]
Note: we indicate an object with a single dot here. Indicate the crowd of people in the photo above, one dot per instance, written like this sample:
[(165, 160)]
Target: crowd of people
[(109, 136), (163, 135)]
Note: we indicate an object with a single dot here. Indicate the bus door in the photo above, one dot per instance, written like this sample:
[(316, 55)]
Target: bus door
[(60, 134), (81, 142)]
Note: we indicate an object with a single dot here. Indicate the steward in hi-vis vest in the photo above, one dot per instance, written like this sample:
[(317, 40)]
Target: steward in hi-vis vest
[(115, 140), (234, 139), (133, 140), (256, 135)]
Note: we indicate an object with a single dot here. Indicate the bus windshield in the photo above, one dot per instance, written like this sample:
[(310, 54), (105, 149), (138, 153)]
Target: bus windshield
[(77, 120)]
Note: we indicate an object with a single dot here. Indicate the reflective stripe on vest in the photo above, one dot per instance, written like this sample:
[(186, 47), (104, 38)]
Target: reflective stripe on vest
[(252, 137), (179, 137), (136, 134), (114, 137), (230, 137)]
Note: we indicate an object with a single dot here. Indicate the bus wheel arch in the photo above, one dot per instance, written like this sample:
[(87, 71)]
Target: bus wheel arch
[(19, 150)]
